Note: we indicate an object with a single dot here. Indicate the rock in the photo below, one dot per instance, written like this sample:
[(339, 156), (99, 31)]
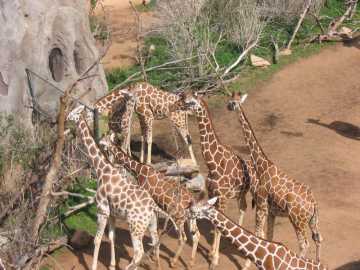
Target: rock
[(80, 239), (285, 52), (257, 61), (53, 39)]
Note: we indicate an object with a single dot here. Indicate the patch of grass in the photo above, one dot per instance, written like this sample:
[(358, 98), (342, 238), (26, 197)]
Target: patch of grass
[(86, 218), (251, 76)]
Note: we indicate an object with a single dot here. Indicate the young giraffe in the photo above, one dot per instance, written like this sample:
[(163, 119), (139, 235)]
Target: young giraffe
[(151, 104), (266, 255), (277, 194), (229, 176), (173, 198), (118, 198)]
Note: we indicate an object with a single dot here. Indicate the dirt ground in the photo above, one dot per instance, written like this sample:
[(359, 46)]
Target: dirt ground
[(307, 119), (123, 25)]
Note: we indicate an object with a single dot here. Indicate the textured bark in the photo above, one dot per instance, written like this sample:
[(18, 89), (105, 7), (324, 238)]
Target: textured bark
[(53, 39)]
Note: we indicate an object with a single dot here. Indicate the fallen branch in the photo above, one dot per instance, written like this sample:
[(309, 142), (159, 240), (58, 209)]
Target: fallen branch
[(301, 19)]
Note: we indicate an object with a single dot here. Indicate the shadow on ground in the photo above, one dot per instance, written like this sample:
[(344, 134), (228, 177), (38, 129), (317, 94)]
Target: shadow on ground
[(350, 266), (342, 128)]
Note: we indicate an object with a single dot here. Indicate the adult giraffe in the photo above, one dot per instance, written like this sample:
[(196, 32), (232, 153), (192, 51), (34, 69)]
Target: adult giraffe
[(277, 194), (150, 104), (118, 198), (229, 175)]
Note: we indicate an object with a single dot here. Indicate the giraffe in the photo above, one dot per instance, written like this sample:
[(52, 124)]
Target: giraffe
[(277, 194), (118, 198), (151, 104), (266, 255), (229, 175), (172, 197)]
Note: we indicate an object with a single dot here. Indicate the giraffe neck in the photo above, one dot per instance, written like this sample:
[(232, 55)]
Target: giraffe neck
[(256, 152), (141, 171), (208, 139), (241, 238), (97, 158)]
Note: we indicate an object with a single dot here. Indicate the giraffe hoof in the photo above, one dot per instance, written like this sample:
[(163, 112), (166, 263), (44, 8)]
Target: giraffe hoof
[(112, 267), (212, 266)]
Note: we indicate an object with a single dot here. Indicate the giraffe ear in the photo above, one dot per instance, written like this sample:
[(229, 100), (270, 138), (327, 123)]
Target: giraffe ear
[(212, 201)]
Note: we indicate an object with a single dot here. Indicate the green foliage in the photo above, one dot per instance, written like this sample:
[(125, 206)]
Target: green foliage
[(86, 218)]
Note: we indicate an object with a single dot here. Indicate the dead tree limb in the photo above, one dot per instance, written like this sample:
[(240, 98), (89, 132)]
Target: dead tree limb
[(301, 19), (51, 176)]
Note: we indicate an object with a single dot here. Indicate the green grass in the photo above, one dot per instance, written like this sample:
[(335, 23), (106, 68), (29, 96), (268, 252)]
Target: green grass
[(251, 76)]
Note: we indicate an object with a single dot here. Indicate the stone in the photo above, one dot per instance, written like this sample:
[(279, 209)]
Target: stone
[(53, 39), (257, 61), (285, 52)]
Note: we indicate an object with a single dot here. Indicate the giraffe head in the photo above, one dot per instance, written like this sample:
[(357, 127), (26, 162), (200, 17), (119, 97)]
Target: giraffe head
[(200, 210), (189, 101), (75, 114), (236, 100)]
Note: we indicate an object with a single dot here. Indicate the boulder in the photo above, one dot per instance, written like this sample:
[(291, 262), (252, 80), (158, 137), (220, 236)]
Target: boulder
[(257, 61), (53, 39)]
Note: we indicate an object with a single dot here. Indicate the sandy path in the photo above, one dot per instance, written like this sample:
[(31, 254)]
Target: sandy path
[(124, 28), (324, 155)]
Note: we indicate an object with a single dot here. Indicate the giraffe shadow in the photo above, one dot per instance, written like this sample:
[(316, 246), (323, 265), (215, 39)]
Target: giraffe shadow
[(350, 266), (123, 240), (156, 150), (342, 128)]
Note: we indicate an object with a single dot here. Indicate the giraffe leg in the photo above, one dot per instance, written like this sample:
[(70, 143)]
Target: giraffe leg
[(182, 241), (149, 140), (155, 239), (242, 207), (101, 220), (215, 258), (112, 242), (195, 237), (270, 227), (138, 252), (142, 151)]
